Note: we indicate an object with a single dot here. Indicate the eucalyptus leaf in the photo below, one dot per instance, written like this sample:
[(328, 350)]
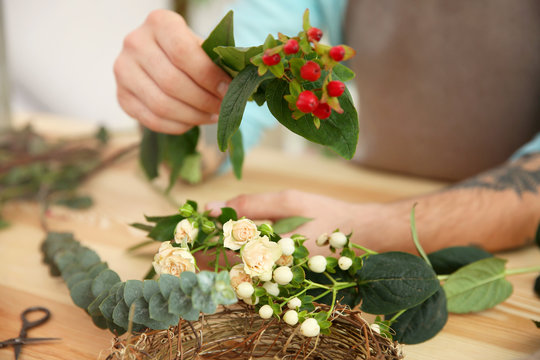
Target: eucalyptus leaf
[(234, 103), (392, 281), (150, 287), (167, 283), (205, 280), (141, 315), (339, 132), (203, 301), (107, 306), (477, 286), (81, 293), (421, 322), (289, 224), (132, 291), (448, 260), (188, 280), (104, 281), (121, 315)]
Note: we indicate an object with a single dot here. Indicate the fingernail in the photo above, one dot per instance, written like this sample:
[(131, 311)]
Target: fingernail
[(214, 118), (222, 88), (215, 207)]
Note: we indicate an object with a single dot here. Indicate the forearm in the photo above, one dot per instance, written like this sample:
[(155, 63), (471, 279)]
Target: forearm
[(497, 210)]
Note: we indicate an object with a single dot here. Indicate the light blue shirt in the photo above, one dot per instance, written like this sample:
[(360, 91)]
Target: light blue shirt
[(255, 19)]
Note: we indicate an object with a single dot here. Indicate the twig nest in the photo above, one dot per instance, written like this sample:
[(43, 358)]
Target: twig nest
[(310, 327)]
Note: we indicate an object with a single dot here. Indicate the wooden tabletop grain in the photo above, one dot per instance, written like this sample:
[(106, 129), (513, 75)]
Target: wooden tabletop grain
[(122, 195)]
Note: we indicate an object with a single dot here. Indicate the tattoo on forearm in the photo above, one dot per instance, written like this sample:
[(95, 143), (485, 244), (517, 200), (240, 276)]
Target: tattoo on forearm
[(520, 176)]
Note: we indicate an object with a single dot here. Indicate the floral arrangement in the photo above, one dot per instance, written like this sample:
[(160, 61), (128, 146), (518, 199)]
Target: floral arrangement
[(300, 79)]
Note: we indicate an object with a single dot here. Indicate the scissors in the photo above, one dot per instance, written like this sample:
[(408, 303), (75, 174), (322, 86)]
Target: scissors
[(21, 340)]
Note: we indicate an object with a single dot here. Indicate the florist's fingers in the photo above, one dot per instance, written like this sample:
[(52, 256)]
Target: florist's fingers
[(136, 109), (137, 81), (271, 205), (184, 51)]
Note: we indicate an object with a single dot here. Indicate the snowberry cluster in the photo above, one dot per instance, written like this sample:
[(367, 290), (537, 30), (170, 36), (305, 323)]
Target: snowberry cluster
[(307, 65)]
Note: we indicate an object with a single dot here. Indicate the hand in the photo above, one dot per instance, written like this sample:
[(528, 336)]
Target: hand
[(368, 222), (164, 78)]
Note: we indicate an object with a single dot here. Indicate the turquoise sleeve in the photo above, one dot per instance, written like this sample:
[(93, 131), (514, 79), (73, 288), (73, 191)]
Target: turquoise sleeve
[(531, 147)]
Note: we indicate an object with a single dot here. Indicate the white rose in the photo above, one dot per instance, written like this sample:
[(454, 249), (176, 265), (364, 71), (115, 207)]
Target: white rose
[(287, 246), (317, 264), (259, 256), (338, 240), (245, 290), (238, 275), (271, 288), (185, 232), (283, 275), (291, 317), (178, 261), (238, 233), (266, 312), (345, 263), (285, 260), (310, 327), (294, 303)]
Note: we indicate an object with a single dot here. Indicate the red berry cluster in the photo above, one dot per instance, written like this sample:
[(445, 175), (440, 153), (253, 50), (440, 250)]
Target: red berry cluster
[(302, 60)]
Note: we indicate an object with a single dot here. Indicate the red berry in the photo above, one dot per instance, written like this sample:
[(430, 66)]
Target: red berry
[(322, 111), (335, 88), (271, 59), (310, 71), (291, 47), (307, 101), (337, 53), (314, 34)]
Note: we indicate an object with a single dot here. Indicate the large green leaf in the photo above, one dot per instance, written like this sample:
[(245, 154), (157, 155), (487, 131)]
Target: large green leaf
[(234, 103), (222, 35), (237, 57), (393, 281), (149, 153), (164, 229), (421, 322), (448, 260), (289, 224), (339, 131), (478, 286), (176, 149), (236, 153)]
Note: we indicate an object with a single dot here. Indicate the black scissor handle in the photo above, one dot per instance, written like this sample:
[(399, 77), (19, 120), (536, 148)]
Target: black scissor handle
[(27, 324)]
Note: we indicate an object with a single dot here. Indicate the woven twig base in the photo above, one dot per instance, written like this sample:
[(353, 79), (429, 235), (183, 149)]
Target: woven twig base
[(238, 333)]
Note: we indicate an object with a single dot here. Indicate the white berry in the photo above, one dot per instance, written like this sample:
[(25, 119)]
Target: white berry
[(271, 288), (251, 302), (322, 239), (244, 290), (345, 263), (266, 312), (310, 327), (376, 328), (291, 317), (294, 303), (317, 264), (287, 246), (283, 275), (338, 240), (266, 276)]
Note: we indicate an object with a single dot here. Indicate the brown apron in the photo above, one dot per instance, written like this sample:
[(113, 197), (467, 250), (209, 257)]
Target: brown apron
[(447, 88)]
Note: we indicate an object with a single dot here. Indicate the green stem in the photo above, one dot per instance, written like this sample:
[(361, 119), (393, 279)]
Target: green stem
[(321, 295), (415, 237), (522, 270), (366, 250), (394, 318)]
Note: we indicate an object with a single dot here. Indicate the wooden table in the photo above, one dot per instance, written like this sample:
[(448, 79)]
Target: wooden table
[(122, 196)]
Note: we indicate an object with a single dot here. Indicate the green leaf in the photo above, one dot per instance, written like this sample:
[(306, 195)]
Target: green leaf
[(96, 269), (191, 170), (120, 314), (76, 202), (102, 135), (81, 293), (289, 224), (477, 286), (164, 229), (392, 281), (300, 252), (93, 308), (344, 73), (188, 280), (237, 57), (142, 316), (75, 278), (205, 280), (177, 149), (448, 260), (227, 214), (167, 283), (149, 153), (150, 287), (203, 301), (278, 70), (236, 153), (269, 42), (331, 263), (222, 35), (421, 322), (107, 306), (104, 281), (132, 291), (339, 131), (298, 275), (234, 103), (158, 307), (179, 302)]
